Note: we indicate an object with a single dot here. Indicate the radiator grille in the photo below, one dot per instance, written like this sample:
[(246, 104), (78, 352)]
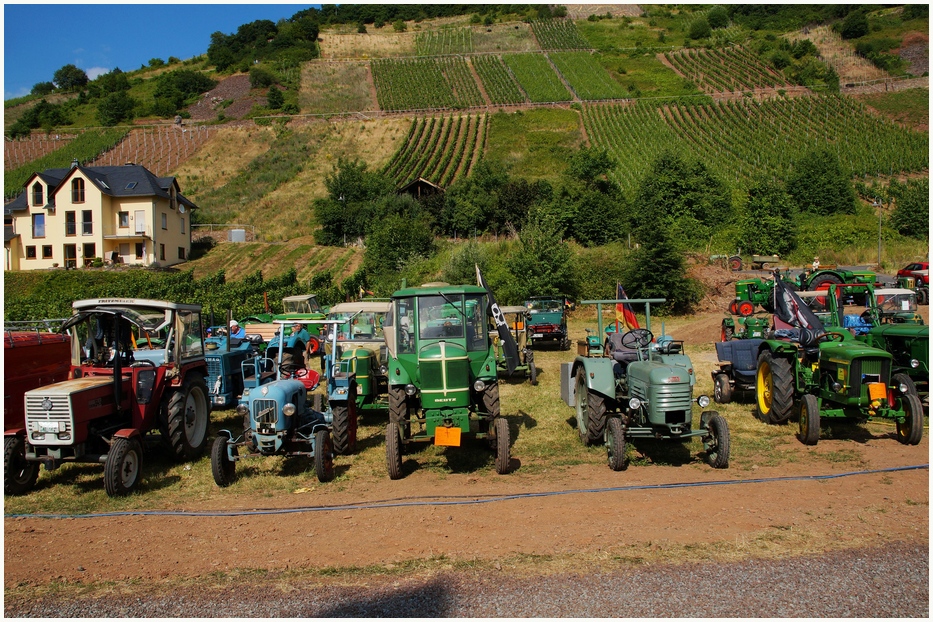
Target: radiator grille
[(265, 412)]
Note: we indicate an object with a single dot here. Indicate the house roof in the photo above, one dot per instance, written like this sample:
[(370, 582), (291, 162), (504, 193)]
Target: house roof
[(116, 181)]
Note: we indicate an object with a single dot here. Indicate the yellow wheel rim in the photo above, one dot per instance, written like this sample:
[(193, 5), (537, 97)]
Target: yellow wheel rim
[(764, 388)]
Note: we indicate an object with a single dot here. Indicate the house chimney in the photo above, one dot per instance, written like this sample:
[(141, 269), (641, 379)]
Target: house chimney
[(74, 163)]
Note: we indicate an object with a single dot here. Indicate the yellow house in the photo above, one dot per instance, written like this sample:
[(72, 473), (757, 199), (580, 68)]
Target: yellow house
[(68, 217)]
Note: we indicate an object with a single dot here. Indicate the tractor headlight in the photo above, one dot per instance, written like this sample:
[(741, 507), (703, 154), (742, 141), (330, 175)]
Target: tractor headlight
[(837, 387), (479, 386), (914, 363), (634, 403), (703, 401), (289, 409), (410, 390), (242, 409), (383, 370), (902, 387)]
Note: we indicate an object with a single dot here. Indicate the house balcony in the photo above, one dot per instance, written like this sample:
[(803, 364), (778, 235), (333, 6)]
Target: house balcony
[(141, 233)]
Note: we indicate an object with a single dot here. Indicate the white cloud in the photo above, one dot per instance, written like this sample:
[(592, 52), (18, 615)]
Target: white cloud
[(96, 72), (22, 92)]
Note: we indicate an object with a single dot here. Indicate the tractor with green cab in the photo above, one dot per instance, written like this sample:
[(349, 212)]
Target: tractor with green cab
[(358, 337), (442, 373), (547, 321), (637, 387)]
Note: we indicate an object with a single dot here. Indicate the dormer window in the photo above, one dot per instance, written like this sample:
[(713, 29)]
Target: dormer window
[(77, 191), (37, 194)]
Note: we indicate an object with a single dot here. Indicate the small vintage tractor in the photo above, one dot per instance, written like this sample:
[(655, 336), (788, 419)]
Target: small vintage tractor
[(547, 321), (225, 356), (137, 366), (443, 381), (639, 388), (516, 318), (742, 327), (362, 350), (810, 375), (278, 420), (750, 293), (918, 281)]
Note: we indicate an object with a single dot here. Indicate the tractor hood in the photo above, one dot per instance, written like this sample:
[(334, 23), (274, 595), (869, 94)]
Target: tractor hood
[(849, 350), (536, 318), (653, 373), (902, 330)]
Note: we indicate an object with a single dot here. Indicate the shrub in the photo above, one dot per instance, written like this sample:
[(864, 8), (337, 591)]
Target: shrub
[(820, 186), (260, 78), (700, 29)]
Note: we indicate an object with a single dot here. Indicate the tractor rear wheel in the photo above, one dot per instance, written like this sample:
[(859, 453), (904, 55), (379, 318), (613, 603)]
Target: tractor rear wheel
[(823, 281), (323, 456), (185, 418), (501, 426), (911, 431), (616, 446), (746, 308), (345, 424), (122, 467), (808, 426), (19, 475), (716, 442), (727, 332), (222, 467), (591, 411), (394, 450), (923, 296), (722, 390), (735, 263), (774, 388), (734, 307)]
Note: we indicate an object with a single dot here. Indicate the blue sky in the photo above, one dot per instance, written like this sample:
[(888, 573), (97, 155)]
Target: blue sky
[(39, 39)]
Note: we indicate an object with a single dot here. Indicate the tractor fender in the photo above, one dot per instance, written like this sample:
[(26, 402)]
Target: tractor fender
[(398, 375), (127, 433), (20, 432), (598, 374)]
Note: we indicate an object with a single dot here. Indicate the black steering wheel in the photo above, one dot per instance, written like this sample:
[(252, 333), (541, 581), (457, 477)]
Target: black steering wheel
[(831, 337), (288, 368), (637, 338)]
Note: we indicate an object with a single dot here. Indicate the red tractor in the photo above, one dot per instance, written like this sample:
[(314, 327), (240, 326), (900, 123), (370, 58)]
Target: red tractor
[(137, 377), (32, 357)]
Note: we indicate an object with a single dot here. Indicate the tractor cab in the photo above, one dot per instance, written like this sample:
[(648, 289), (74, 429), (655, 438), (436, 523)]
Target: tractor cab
[(897, 305), (303, 303)]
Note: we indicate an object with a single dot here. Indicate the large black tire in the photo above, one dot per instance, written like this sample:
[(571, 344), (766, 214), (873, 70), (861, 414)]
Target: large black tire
[(722, 390), (294, 357), (808, 426), (774, 388), (19, 475), (123, 467), (616, 446), (393, 450), (185, 419), (823, 281), (491, 400), (923, 296), (911, 431), (727, 332), (898, 379), (591, 412), (345, 424), (716, 443), (222, 467), (400, 407), (323, 456), (501, 426)]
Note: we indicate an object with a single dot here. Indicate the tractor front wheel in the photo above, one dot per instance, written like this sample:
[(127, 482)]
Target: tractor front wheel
[(722, 390), (394, 450), (532, 371), (911, 431), (809, 423), (727, 332), (491, 400), (716, 442), (899, 379), (746, 308), (616, 446), (122, 467), (774, 388), (399, 408), (19, 475), (186, 417), (345, 424), (323, 456), (501, 426), (222, 467)]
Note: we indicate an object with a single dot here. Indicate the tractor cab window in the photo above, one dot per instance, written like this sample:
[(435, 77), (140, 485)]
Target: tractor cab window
[(190, 334), (440, 317), (301, 305), (405, 322), (476, 323), (549, 306), (899, 302)]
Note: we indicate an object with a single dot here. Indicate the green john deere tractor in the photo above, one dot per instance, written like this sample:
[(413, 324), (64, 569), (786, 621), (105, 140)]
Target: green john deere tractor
[(751, 293), (442, 375)]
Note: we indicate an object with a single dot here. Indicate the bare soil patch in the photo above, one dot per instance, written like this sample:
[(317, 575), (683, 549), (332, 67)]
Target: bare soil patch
[(235, 88)]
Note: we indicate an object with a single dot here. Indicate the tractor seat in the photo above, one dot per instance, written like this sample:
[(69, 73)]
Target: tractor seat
[(254, 338), (620, 353), (742, 353)]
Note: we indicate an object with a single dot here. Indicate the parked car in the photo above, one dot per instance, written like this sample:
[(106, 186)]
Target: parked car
[(910, 268)]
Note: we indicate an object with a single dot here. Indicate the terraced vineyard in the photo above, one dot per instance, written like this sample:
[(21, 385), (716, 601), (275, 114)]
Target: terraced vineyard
[(537, 78), (444, 41), (558, 34), (423, 84), (439, 149), (584, 74), (725, 70), (500, 86), (743, 140), (24, 150), (159, 149)]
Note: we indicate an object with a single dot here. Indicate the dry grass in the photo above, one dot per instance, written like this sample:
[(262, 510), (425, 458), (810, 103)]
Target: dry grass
[(223, 157), (335, 87), (510, 37), (374, 44), (841, 56)]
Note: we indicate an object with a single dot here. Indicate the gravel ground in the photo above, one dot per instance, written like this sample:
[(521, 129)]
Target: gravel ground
[(889, 581)]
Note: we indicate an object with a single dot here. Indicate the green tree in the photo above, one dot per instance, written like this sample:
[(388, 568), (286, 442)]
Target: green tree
[(911, 215), (394, 242), (399, 26), (699, 29), (589, 165), (855, 25), (718, 17), (543, 265), (115, 108), (70, 78), (769, 226), (112, 82), (260, 78), (275, 98), (657, 269), (42, 88), (820, 186)]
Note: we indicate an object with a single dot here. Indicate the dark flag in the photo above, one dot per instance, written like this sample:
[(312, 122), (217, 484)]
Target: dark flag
[(790, 308), (509, 347)]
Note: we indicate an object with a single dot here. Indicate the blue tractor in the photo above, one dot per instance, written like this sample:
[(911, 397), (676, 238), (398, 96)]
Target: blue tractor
[(225, 357), (278, 420)]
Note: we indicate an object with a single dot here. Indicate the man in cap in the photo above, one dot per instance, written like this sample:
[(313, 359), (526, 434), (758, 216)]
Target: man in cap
[(236, 332)]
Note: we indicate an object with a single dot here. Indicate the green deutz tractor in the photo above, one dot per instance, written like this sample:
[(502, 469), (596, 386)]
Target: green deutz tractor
[(362, 349), (636, 387), (831, 375), (442, 379)]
